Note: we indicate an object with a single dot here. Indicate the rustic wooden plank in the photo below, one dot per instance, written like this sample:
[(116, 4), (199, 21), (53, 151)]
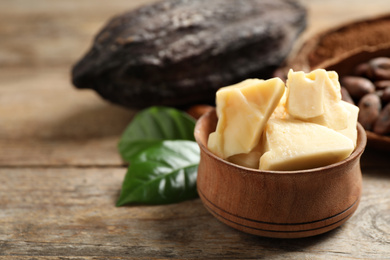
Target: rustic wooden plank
[(61, 257), (46, 121), (70, 212), (45, 33)]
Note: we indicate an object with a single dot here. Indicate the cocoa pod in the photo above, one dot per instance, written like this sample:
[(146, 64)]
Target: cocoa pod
[(370, 107), (380, 68), (357, 86), (179, 52), (382, 125), (346, 96)]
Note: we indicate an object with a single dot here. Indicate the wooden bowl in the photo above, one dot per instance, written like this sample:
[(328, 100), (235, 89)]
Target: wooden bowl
[(282, 204)]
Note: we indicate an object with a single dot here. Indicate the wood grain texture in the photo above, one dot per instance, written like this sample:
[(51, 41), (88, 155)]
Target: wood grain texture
[(45, 33), (62, 212), (45, 121), (60, 173)]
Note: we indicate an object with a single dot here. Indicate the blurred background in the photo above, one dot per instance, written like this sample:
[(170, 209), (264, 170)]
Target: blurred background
[(43, 33), (40, 40)]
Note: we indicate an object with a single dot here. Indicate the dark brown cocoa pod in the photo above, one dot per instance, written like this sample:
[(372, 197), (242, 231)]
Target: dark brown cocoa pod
[(370, 107), (357, 86), (380, 68), (346, 96), (382, 125), (179, 52)]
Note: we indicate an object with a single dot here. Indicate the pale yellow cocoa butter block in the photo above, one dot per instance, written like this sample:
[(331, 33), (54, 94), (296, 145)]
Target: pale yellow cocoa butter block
[(295, 145), (249, 160), (350, 131), (315, 97), (262, 126), (243, 110), (305, 94)]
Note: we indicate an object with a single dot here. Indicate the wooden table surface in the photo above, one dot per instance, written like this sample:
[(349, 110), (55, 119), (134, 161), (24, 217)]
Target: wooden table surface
[(60, 172)]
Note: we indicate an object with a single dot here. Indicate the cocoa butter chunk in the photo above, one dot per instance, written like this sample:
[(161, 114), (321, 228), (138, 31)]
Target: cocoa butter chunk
[(296, 145), (243, 110), (179, 52)]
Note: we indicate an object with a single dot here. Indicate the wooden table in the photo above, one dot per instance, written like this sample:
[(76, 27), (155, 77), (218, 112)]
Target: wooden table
[(60, 172)]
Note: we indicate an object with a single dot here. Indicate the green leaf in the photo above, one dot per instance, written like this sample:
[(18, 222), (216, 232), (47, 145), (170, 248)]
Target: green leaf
[(152, 125), (164, 173)]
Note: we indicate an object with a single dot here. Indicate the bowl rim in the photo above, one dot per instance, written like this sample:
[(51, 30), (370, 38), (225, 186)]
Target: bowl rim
[(359, 149)]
